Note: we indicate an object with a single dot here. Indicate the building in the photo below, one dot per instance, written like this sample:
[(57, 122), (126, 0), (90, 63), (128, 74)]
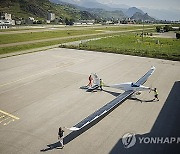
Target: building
[(5, 16), (4, 24), (84, 22), (6, 21), (51, 16)]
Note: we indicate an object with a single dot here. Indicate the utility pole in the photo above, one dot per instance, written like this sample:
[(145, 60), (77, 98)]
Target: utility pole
[(143, 32)]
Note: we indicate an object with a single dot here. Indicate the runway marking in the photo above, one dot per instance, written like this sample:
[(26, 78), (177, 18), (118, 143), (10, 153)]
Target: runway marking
[(10, 115), (7, 118), (4, 119), (8, 122)]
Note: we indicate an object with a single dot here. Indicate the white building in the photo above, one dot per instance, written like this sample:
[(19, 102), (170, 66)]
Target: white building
[(7, 16), (84, 22), (6, 23), (51, 16)]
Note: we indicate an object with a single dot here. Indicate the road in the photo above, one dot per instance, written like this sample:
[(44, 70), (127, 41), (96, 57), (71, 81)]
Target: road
[(39, 92)]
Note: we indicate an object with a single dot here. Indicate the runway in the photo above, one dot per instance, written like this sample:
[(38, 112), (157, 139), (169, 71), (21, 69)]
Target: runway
[(39, 92)]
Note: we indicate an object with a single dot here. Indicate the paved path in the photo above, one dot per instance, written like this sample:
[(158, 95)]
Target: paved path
[(40, 92)]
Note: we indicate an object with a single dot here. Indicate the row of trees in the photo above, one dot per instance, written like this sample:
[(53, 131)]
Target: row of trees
[(166, 28)]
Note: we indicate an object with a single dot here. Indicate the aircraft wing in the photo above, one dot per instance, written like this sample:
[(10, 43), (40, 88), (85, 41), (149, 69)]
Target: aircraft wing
[(105, 109), (143, 79)]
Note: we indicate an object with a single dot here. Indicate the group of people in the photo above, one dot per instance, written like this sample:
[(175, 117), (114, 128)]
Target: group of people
[(91, 81)]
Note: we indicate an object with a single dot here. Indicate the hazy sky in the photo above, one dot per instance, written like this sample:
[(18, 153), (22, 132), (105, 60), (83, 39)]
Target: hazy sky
[(152, 4)]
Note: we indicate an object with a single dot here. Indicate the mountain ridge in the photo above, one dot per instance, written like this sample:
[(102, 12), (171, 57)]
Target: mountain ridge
[(40, 8)]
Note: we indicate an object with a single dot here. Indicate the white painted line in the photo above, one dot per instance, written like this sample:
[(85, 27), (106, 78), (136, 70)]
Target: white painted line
[(10, 115)]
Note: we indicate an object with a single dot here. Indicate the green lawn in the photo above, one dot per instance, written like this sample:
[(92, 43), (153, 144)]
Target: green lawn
[(22, 37), (13, 38), (17, 48), (125, 42), (133, 45)]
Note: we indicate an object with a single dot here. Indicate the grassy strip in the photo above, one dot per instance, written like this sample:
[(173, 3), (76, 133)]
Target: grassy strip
[(13, 38), (5, 50), (22, 37), (133, 45)]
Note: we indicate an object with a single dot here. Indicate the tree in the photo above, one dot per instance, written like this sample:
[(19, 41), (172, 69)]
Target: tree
[(178, 35), (66, 21), (71, 22), (167, 28), (158, 28)]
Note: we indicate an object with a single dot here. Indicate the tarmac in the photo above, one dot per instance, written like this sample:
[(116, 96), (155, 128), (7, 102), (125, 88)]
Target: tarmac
[(40, 91)]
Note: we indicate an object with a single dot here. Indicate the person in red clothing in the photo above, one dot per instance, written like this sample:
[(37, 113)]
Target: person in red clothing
[(90, 81)]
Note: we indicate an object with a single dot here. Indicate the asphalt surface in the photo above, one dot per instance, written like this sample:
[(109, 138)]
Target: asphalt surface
[(39, 92)]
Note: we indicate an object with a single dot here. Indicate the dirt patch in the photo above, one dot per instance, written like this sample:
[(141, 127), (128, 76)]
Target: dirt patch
[(165, 35)]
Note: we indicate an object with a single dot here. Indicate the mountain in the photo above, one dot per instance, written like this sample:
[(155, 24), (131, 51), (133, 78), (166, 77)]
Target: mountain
[(108, 15), (142, 17), (40, 8), (163, 14), (96, 9), (132, 10), (84, 3)]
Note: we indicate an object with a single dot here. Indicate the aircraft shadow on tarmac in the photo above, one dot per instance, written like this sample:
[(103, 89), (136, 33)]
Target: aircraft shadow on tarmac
[(166, 125), (140, 100), (112, 93), (52, 146)]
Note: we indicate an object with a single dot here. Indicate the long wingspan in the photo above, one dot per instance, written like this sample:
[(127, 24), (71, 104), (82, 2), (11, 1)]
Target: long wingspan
[(142, 80), (112, 104)]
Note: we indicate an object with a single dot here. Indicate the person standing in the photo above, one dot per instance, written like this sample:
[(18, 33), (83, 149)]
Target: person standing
[(61, 136), (155, 94), (90, 81)]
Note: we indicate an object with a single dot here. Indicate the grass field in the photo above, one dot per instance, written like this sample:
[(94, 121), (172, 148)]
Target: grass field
[(22, 37), (116, 41), (133, 45), (13, 38), (17, 48)]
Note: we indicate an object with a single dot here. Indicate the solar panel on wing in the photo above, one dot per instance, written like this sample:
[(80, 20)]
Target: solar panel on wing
[(112, 104)]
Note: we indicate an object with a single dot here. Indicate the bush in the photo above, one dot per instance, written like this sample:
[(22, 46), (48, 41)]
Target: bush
[(178, 35), (158, 28), (167, 28)]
